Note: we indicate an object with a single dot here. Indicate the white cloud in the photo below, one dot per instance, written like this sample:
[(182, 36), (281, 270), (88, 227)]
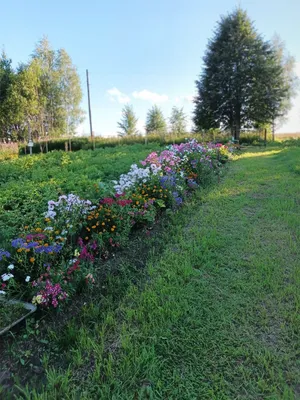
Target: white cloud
[(116, 95), (150, 96), (184, 99)]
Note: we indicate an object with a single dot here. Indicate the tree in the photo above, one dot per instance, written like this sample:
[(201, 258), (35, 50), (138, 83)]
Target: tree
[(177, 121), (288, 64), (128, 123), (26, 99), (155, 122), (61, 88), (242, 82), (6, 79)]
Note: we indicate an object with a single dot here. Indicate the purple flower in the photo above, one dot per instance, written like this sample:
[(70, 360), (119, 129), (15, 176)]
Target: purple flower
[(31, 245), (4, 253), (17, 242)]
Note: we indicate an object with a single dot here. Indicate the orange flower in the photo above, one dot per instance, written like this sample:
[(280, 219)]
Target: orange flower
[(94, 226), (32, 259), (103, 223), (19, 250)]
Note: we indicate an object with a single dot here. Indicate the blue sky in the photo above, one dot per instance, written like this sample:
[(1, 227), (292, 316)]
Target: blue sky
[(139, 51)]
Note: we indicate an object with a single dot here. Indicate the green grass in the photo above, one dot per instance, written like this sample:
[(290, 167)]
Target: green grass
[(215, 313), (28, 183)]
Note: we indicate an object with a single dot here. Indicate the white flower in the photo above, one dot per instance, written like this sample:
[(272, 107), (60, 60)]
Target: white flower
[(2, 292), (49, 228), (6, 277), (27, 279), (11, 266)]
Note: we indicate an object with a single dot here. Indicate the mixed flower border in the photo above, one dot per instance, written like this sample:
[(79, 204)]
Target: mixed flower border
[(49, 263)]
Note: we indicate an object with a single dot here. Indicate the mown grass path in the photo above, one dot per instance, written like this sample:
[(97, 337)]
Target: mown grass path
[(219, 315)]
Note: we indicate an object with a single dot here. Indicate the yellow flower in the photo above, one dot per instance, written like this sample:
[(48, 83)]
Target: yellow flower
[(94, 226), (103, 223), (37, 299), (32, 259), (19, 250)]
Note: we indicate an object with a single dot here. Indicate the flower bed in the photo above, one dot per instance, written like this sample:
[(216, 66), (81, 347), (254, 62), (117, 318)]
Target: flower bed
[(49, 263)]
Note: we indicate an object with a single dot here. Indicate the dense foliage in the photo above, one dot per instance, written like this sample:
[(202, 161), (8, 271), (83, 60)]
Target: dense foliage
[(41, 97), (26, 183), (243, 81), (54, 256)]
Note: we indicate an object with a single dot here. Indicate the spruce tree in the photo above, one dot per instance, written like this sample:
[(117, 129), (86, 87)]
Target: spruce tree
[(155, 123), (128, 123), (242, 82)]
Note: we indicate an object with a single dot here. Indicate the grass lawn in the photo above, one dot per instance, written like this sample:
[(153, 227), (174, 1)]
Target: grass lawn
[(214, 315)]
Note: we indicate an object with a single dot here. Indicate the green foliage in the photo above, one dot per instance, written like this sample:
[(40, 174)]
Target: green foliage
[(155, 123), (242, 81), (210, 301), (178, 121), (41, 97), (128, 123), (27, 183)]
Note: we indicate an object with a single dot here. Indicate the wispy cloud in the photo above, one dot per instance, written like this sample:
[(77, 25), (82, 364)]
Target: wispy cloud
[(150, 96), (116, 95), (184, 99)]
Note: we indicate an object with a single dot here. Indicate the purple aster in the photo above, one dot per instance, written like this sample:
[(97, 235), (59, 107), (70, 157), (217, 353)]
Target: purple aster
[(4, 253), (17, 242)]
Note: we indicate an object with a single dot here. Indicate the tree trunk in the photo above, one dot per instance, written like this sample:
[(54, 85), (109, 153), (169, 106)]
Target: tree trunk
[(273, 130)]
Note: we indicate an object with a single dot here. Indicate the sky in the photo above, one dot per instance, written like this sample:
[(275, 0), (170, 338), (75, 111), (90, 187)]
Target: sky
[(141, 52)]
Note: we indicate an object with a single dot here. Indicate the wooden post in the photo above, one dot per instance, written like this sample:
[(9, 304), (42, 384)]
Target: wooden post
[(89, 102)]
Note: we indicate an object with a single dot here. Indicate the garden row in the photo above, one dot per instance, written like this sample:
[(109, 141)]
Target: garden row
[(28, 183), (49, 262)]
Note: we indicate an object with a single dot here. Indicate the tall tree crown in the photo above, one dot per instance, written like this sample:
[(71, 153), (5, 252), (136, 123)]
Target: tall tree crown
[(242, 81)]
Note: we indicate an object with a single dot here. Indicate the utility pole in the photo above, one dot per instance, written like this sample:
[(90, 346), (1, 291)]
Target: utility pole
[(89, 101)]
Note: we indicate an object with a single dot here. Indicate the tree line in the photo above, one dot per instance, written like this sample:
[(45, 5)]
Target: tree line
[(41, 97), (246, 83), (155, 122)]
